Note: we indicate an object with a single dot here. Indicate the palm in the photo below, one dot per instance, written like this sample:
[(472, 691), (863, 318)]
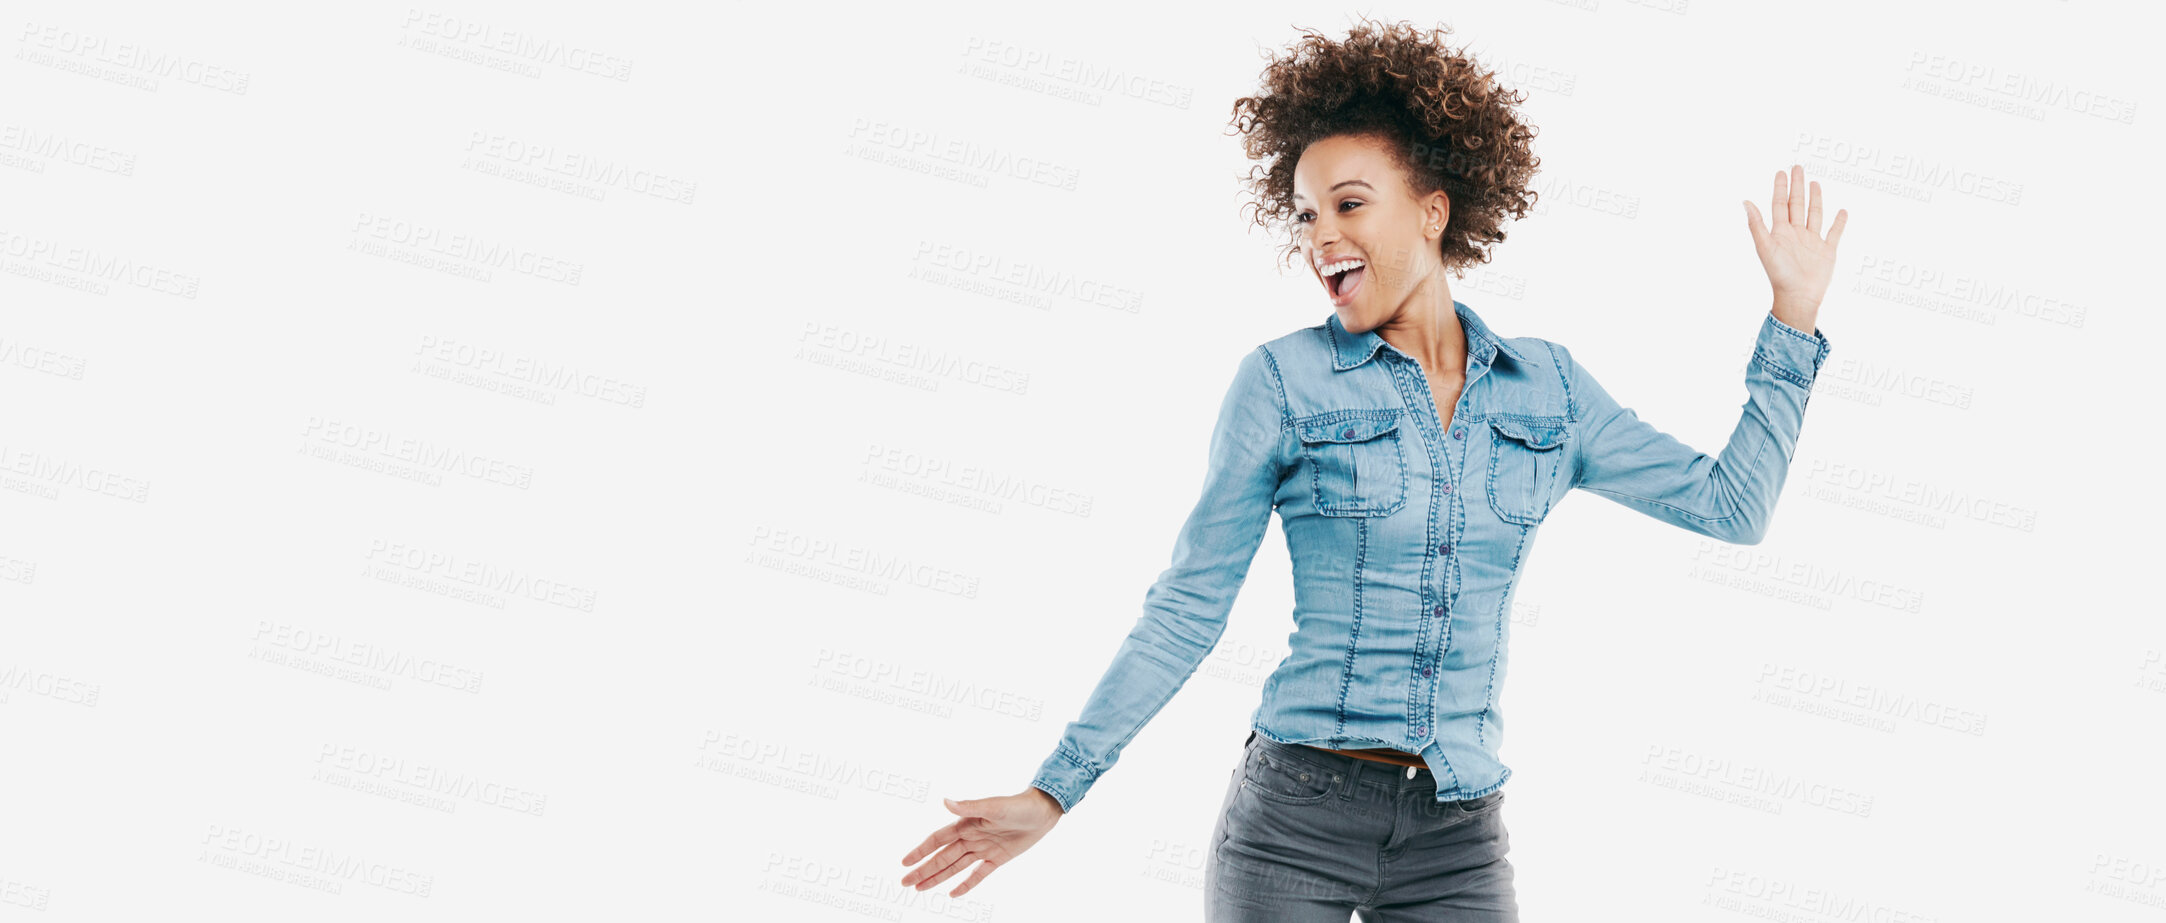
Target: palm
[(1799, 262), (991, 832)]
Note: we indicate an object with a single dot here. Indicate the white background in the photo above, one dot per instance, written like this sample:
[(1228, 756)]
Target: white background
[(627, 461)]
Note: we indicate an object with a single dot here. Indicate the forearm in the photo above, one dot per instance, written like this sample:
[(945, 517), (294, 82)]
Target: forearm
[(1730, 496), (1185, 611), (1153, 662)]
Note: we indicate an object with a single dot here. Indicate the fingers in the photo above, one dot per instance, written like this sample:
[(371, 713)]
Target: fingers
[(984, 868), (1835, 231), (1778, 206), (939, 838), (1797, 194), (950, 861), (1812, 212), (975, 807), (1757, 227)]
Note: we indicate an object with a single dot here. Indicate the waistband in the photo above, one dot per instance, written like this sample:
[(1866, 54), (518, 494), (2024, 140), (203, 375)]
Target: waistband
[(1343, 762), (1376, 754)]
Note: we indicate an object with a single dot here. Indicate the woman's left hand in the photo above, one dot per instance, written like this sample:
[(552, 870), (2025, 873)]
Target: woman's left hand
[(1799, 262)]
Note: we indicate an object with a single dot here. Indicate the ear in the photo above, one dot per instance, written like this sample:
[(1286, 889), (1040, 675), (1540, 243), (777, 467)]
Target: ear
[(1436, 213)]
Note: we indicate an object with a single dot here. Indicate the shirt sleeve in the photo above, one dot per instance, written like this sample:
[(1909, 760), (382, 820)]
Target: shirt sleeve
[(1730, 497), (1185, 611)]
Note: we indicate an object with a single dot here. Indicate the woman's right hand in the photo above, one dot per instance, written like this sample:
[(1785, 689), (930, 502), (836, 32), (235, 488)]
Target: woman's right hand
[(991, 831)]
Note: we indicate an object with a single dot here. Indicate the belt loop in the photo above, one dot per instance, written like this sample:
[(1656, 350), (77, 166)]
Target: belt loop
[(1353, 778), (1251, 737)]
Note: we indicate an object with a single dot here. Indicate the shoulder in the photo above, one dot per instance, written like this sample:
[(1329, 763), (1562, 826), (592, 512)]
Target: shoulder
[(1289, 354), (1571, 382), (1537, 375), (1540, 359), (1295, 346), (1541, 352)]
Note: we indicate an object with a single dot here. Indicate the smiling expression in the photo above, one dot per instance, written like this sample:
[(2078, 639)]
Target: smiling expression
[(1365, 237)]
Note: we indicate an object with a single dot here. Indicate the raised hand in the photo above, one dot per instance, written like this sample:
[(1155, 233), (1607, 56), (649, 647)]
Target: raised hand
[(989, 831), (1799, 262)]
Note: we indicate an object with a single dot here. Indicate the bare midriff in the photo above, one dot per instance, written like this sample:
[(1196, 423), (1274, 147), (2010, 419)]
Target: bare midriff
[(1379, 755)]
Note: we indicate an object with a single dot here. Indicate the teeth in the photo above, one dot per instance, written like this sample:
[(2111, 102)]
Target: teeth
[(1332, 269)]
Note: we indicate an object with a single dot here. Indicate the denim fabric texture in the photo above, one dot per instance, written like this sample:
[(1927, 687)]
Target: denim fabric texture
[(1407, 539), (1311, 837)]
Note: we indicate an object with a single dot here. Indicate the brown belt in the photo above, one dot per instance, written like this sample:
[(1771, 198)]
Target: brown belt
[(1379, 755)]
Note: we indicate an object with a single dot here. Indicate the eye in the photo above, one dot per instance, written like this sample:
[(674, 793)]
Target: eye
[(1304, 217)]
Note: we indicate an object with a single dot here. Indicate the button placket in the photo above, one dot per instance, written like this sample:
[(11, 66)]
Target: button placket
[(1450, 467), (1432, 428)]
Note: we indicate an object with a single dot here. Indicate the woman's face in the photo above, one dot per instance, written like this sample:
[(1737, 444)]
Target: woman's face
[(1352, 208)]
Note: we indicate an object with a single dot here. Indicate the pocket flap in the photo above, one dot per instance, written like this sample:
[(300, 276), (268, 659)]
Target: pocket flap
[(1359, 429), (1533, 435)]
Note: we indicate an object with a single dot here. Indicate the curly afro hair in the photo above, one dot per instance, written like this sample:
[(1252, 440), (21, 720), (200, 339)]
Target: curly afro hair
[(1449, 123)]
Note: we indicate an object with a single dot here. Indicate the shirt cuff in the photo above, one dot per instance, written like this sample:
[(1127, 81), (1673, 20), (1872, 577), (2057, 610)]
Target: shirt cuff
[(1064, 779), (1792, 354)]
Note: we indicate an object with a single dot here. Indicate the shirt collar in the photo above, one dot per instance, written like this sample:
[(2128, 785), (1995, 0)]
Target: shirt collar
[(1352, 349)]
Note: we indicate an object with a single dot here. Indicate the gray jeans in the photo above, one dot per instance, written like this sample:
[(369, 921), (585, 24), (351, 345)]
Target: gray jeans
[(1311, 836)]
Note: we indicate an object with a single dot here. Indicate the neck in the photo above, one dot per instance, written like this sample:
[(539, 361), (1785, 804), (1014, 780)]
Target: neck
[(1427, 328)]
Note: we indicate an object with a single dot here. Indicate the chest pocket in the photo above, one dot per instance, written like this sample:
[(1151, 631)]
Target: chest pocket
[(1357, 465), (1525, 460)]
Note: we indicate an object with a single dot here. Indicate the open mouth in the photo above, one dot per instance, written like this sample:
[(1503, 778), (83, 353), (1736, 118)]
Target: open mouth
[(1343, 279)]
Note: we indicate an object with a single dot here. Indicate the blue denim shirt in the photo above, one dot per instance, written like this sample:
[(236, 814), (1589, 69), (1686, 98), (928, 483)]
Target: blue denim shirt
[(1407, 540)]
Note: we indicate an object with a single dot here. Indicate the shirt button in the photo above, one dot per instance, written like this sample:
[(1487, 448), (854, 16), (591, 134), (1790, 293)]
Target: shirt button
[(1459, 434), (1445, 548), (1447, 488), (1438, 612), (1348, 433), (1425, 671)]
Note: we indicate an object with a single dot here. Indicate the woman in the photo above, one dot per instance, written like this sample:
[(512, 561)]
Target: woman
[(1411, 454)]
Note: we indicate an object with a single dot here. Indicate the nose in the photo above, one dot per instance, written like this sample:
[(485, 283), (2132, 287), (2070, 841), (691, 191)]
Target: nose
[(1320, 235)]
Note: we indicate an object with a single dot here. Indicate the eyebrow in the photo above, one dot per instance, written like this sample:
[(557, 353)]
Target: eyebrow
[(1350, 182)]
